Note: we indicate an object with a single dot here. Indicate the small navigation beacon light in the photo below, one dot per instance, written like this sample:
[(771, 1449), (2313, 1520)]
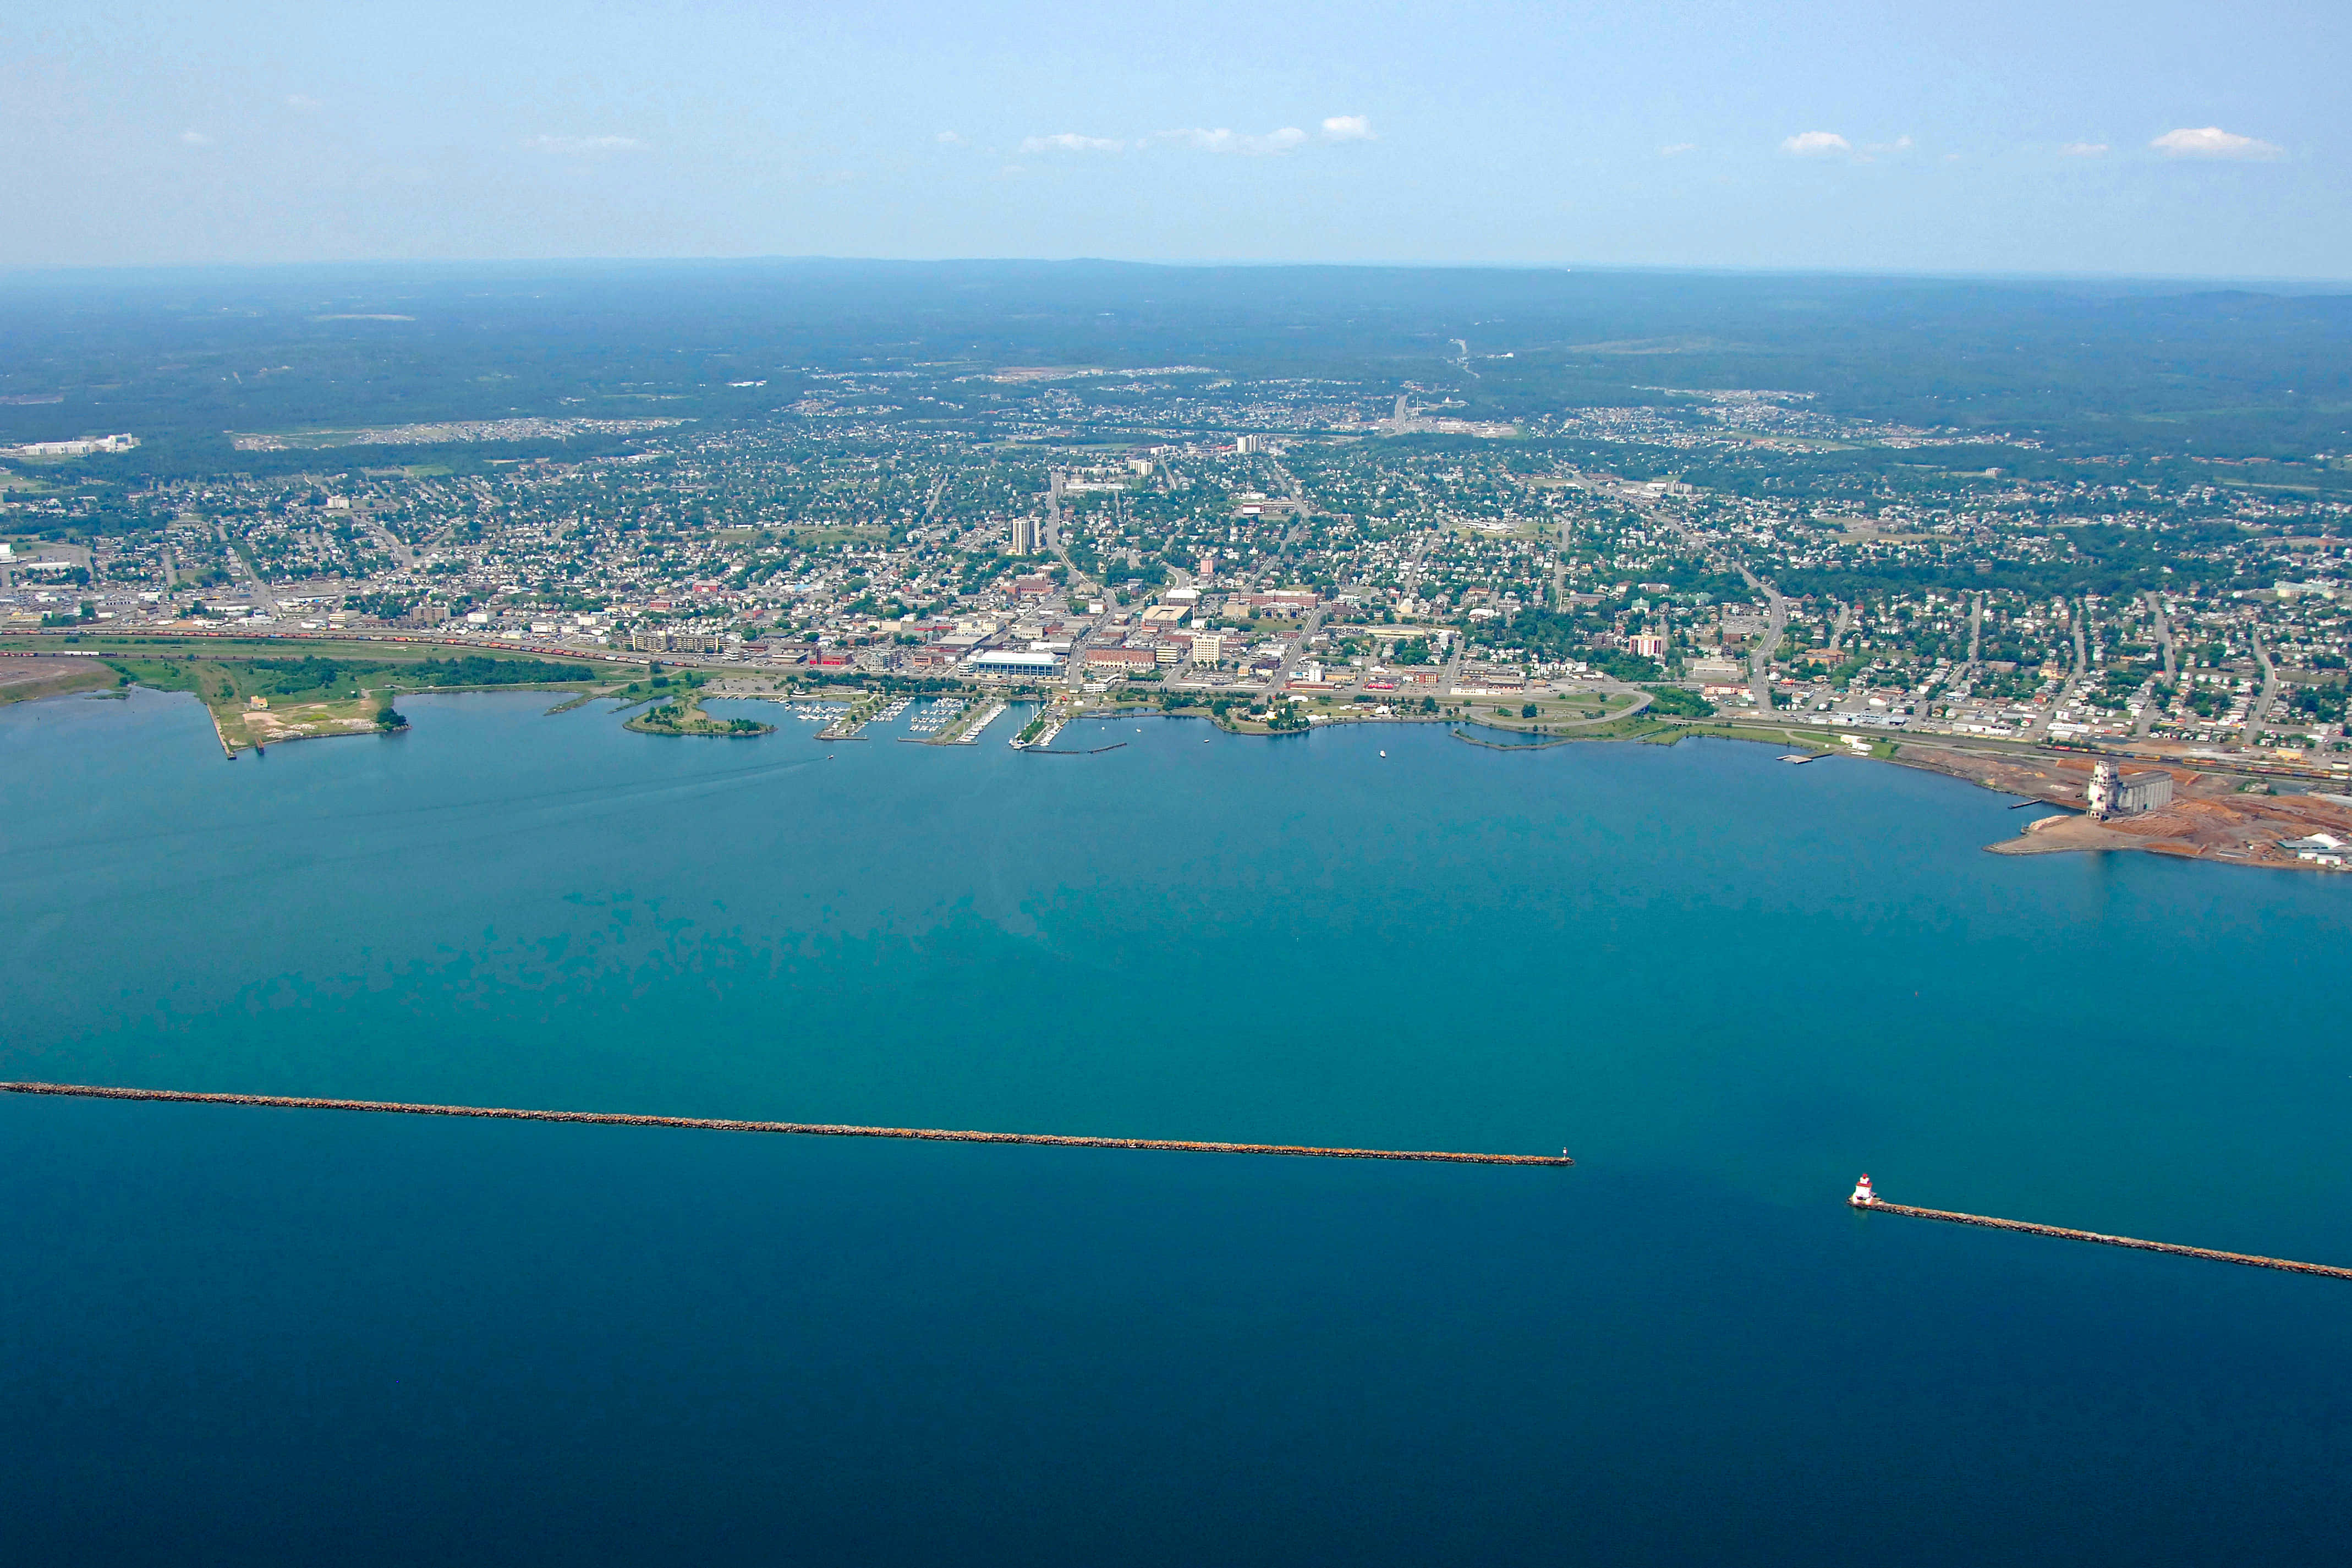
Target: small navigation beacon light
[(1863, 1197)]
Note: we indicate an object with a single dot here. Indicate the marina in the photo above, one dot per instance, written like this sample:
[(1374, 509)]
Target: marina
[(936, 715), (1040, 740), (970, 734)]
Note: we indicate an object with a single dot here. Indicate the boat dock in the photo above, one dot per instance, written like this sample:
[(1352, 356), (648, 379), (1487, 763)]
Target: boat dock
[(1867, 1198), (1043, 740), (968, 735), (803, 1128)]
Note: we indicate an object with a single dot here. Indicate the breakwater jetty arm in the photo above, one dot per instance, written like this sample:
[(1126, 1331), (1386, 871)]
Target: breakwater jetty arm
[(805, 1129), (2247, 1260)]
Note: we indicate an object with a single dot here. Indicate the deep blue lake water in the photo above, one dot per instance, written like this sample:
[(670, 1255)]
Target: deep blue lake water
[(1727, 984)]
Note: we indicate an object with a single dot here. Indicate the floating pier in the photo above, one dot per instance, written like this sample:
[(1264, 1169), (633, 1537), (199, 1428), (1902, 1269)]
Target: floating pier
[(1044, 738), (1867, 1198), (970, 734), (805, 1129)]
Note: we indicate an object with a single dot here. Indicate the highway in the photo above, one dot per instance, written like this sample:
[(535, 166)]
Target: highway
[(2147, 718), (1759, 663), (2263, 699)]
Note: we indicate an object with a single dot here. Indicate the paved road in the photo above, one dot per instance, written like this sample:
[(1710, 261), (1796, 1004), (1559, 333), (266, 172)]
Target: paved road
[(242, 569), (2263, 700), (2147, 719), (1294, 645), (1837, 633), (401, 554), (1976, 631), (1759, 665)]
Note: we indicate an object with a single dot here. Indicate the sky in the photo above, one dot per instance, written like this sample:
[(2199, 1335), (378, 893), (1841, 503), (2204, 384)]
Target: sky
[(2163, 137)]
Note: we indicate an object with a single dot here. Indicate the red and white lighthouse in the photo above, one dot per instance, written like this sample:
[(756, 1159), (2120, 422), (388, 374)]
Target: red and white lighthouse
[(1863, 1197)]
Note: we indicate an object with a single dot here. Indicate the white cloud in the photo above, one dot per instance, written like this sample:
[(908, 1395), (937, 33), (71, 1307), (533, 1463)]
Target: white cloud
[(1071, 141), (1348, 128), (948, 136), (1222, 140), (2083, 149), (1816, 144), (1676, 149), (304, 102), (577, 145), (196, 139), (2213, 141)]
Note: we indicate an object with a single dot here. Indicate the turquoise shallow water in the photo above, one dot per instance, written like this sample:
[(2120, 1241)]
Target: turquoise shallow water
[(1728, 985)]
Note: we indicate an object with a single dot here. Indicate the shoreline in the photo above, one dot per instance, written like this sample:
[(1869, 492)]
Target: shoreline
[(2224, 817), (2216, 817)]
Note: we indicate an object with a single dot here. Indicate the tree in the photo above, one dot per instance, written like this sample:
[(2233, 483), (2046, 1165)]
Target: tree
[(1683, 704)]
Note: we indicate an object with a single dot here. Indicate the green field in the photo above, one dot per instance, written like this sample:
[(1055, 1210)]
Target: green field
[(369, 655), (259, 690), (684, 716)]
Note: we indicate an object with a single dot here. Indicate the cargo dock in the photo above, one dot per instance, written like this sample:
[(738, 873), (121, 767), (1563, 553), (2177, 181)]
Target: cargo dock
[(803, 1128)]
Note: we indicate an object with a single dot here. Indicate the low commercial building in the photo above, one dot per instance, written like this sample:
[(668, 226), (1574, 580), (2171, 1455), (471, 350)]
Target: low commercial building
[(80, 449), (1121, 659), (1015, 661), (2319, 849), (671, 642)]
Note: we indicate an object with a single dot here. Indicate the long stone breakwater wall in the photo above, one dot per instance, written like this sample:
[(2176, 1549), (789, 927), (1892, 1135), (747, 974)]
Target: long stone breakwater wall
[(805, 1129), (2248, 1259)]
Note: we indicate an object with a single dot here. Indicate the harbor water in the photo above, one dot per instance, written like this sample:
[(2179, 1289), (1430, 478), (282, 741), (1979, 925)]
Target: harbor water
[(1727, 986)]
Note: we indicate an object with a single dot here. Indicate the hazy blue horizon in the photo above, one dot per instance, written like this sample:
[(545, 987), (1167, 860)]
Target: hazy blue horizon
[(2298, 282)]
